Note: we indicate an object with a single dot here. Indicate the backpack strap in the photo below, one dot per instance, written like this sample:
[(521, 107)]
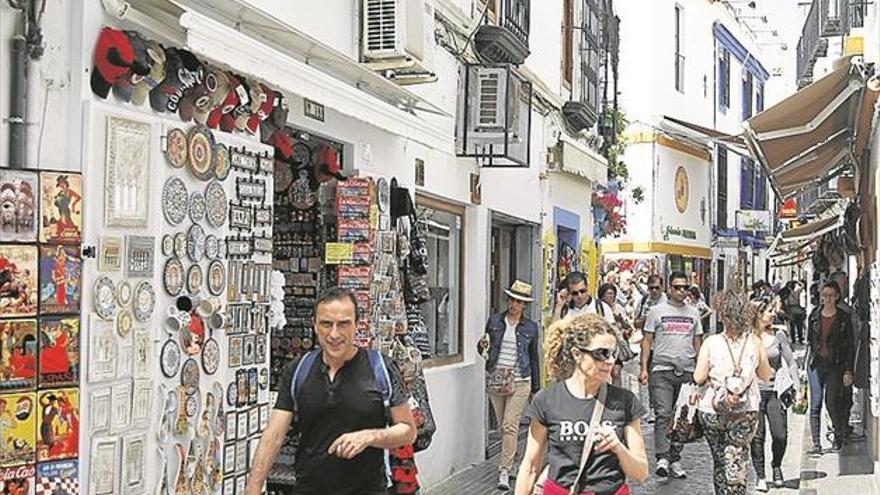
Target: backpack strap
[(380, 372), (300, 373)]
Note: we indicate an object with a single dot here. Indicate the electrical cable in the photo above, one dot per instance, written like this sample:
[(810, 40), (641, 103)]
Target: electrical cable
[(470, 36)]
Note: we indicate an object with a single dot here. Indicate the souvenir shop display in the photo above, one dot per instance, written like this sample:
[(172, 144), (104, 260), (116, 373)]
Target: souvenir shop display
[(18, 206), (174, 200), (110, 255), (18, 267), (60, 208), (58, 433), (59, 344), (126, 195), (19, 339), (57, 477)]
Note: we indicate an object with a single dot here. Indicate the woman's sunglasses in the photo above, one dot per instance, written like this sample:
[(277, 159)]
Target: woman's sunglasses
[(601, 354)]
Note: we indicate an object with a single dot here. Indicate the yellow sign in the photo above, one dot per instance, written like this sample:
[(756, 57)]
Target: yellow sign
[(681, 189), (338, 253)]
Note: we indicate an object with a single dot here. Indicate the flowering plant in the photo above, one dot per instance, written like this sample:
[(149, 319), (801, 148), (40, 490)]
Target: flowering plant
[(608, 219)]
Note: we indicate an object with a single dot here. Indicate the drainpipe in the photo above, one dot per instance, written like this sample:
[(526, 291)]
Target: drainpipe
[(18, 104)]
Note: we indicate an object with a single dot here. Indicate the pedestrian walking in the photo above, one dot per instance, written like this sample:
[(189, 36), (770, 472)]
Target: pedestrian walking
[(513, 372), (589, 430), (674, 331), (653, 297), (796, 312), (613, 314), (730, 364), (344, 425), (830, 360), (773, 409), (573, 298)]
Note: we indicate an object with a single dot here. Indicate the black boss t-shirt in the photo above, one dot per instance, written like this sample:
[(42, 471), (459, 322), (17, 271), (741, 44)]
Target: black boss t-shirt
[(567, 419), (351, 402)]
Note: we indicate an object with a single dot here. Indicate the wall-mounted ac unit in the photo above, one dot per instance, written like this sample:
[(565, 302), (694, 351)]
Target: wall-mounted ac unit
[(397, 38), (489, 104)]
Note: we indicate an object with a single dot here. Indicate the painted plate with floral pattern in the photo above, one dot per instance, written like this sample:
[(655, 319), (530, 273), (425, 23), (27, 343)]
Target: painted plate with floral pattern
[(189, 376), (167, 245), (180, 244), (216, 204), (176, 148), (194, 279), (212, 247), (216, 277), (222, 163), (169, 358), (195, 243), (201, 162), (144, 301), (196, 206), (174, 200), (173, 277), (105, 297), (210, 356)]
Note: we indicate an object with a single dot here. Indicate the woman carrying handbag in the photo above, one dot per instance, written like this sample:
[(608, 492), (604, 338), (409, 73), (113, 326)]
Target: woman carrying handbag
[(589, 430)]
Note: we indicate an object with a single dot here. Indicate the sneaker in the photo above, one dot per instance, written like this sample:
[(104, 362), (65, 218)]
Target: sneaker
[(662, 468), (816, 451), (503, 480), (677, 471), (837, 445), (761, 485), (778, 479)]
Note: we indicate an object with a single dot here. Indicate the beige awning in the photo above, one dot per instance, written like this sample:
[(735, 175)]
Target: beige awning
[(796, 242), (735, 143), (812, 135)]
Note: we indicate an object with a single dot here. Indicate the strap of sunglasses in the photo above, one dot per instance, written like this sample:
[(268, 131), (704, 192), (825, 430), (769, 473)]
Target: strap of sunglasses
[(590, 439)]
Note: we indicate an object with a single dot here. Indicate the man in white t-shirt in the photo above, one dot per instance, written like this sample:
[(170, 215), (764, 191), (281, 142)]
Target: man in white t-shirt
[(574, 299)]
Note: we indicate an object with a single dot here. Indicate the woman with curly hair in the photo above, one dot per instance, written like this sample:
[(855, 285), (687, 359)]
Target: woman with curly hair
[(730, 364), (580, 354)]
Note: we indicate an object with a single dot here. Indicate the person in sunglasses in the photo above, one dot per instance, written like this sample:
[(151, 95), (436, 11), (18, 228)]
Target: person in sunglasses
[(581, 352), (674, 331), (653, 297), (574, 298)]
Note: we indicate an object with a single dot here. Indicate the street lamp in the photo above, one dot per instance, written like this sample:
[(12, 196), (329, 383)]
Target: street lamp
[(750, 4)]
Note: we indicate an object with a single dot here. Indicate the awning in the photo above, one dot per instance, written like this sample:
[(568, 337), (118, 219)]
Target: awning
[(812, 229), (814, 134), (735, 143), (795, 242)]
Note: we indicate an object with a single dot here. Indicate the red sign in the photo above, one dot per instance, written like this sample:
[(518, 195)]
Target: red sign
[(789, 209)]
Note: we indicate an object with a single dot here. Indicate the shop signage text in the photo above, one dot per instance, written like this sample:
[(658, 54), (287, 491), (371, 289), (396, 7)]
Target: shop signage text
[(683, 233), (313, 110)]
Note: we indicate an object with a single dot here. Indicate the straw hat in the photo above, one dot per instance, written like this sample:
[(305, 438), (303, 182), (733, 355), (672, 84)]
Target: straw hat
[(520, 290)]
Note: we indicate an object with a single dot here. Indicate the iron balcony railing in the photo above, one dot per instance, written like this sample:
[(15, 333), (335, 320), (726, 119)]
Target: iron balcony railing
[(514, 17), (826, 18)]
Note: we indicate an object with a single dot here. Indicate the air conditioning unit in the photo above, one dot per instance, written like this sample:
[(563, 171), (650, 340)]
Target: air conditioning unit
[(398, 39), (489, 104)]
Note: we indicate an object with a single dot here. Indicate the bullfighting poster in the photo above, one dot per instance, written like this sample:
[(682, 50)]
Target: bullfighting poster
[(18, 423), (60, 208), (58, 478), (60, 272), (17, 480), (18, 280), (18, 206), (58, 432), (59, 351), (18, 354)]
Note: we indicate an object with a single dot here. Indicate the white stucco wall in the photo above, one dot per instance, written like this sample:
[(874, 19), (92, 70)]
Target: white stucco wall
[(640, 160), (695, 217)]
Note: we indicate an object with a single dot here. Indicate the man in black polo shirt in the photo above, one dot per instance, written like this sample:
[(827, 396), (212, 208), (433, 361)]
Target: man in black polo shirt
[(340, 412)]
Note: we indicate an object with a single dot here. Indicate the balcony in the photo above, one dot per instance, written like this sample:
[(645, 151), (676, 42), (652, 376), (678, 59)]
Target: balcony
[(826, 18), (508, 41)]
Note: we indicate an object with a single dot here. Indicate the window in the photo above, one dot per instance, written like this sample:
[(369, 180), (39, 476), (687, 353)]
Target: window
[(567, 37), (591, 55), (722, 188), (724, 79), (679, 57), (444, 225), (747, 184), (759, 99), (747, 96), (760, 189)]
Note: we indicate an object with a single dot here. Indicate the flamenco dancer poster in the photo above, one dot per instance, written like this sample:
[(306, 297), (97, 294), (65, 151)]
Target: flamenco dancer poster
[(18, 280), (18, 354), (60, 271), (58, 433), (60, 208), (17, 426), (59, 351)]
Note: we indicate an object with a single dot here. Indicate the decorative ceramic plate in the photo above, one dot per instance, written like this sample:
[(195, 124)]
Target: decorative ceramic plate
[(123, 293), (222, 163), (189, 376), (196, 206), (176, 148), (169, 358), (301, 154), (124, 323), (210, 356), (201, 153), (144, 301), (194, 279), (105, 297), (283, 176), (174, 199), (191, 406), (167, 245), (195, 243), (180, 244), (216, 204), (383, 194), (232, 394), (212, 249), (173, 277), (216, 277)]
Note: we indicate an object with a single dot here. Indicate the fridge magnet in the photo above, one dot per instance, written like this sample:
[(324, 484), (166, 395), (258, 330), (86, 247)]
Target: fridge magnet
[(196, 206), (206, 419), (249, 344), (140, 252), (18, 347), (216, 277), (210, 356), (18, 271), (242, 425), (263, 244), (110, 256), (264, 378), (60, 208), (17, 480), (102, 476), (192, 336), (212, 247), (252, 387), (167, 245), (195, 243), (189, 376), (141, 350), (267, 164), (191, 406), (176, 148), (141, 402), (240, 481), (248, 189), (229, 458), (264, 416), (241, 459), (243, 392), (18, 206), (60, 273), (124, 323), (126, 173), (229, 486), (260, 349), (232, 395), (105, 297), (240, 217), (58, 435), (59, 351), (194, 279), (236, 344), (103, 349), (201, 153), (100, 409), (18, 418), (242, 160), (123, 293), (263, 216), (172, 277), (174, 200), (239, 247), (169, 358), (222, 163), (144, 301), (58, 478), (134, 457), (216, 204), (120, 419), (231, 426), (253, 421), (180, 245)]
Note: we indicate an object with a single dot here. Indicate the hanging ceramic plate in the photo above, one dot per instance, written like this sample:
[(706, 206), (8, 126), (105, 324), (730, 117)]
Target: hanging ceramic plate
[(383, 194), (283, 176), (301, 154), (124, 323), (212, 249), (180, 244), (172, 277), (144, 301), (176, 148), (189, 376), (105, 297), (123, 293), (201, 153), (169, 359), (167, 245), (196, 207), (216, 204), (194, 279), (191, 406), (195, 243), (222, 163), (210, 356), (174, 200), (216, 277), (232, 394)]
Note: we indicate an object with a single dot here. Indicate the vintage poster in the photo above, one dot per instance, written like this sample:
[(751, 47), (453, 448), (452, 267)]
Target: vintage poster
[(59, 351), (18, 280), (18, 423), (60, 208), (58, 432), (18, 206), (18, 354), (17, 480), (58, 478), (60, 274)]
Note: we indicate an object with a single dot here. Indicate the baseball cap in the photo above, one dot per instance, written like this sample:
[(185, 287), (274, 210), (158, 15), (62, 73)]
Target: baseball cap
[(114, 59), (183, 71), (122, 87), (198, 98), (327, 164), (228, 104), (263, 110), (141, 85)]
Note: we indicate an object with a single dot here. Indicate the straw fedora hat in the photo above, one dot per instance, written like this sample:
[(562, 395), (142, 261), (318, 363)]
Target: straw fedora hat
[(520, 290)]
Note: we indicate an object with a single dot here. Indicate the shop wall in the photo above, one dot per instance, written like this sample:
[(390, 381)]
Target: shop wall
[(695, 217), (640, 159)]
